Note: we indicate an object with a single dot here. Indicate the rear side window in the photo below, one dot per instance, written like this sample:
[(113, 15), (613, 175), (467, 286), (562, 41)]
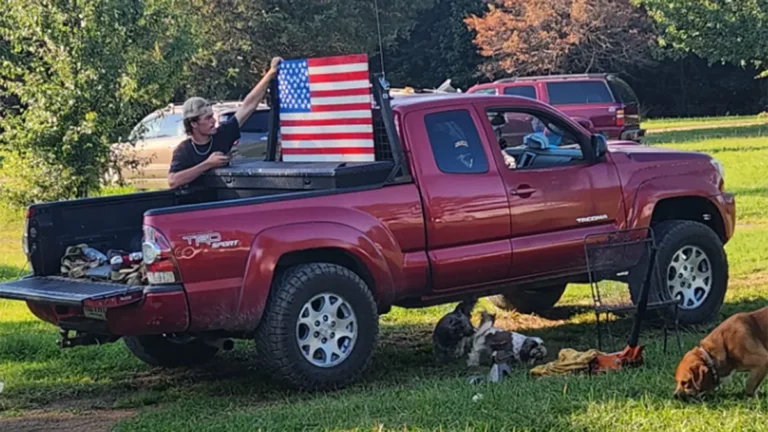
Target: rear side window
[(258, 122), (578, 92), (491, 91), (525, 91), (623, 91), (455, 142)]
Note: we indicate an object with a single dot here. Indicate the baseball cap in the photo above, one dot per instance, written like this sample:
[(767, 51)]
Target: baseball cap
[(195, 107)]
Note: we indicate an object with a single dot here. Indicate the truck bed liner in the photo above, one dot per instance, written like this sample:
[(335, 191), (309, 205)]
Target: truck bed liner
[(62, 291)]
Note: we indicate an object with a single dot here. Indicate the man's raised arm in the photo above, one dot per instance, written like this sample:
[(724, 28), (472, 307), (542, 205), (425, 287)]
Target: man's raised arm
[(257, 94)]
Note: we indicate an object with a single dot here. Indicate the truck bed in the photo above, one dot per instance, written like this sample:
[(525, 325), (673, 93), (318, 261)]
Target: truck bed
[(115, 222)]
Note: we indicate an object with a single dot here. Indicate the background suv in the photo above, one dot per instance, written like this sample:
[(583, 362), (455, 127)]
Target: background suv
[(604, 103), (156, 136)]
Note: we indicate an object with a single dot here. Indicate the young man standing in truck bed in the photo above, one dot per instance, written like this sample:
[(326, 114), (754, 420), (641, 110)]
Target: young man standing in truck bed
[(208, 146)]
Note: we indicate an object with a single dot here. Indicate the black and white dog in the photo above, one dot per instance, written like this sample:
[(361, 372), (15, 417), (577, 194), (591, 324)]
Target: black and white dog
[(452, 337), (489, 340)]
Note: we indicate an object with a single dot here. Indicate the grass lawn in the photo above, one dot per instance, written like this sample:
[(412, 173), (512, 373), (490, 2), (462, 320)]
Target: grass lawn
[(101, 387), (662, 124)]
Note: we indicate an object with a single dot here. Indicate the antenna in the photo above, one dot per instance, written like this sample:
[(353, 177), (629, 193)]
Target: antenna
[(381, 44)]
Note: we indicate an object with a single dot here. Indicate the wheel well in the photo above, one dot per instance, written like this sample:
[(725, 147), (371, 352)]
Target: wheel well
[(698, 209), (328, 255)]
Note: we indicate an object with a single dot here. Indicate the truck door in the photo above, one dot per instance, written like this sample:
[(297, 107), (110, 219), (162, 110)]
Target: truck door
[(465, 201), (556, 196)]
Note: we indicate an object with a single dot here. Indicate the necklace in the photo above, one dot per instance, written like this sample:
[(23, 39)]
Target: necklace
[(194, 146)]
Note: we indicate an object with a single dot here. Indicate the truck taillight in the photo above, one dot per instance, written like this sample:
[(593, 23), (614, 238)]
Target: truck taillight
[(620, 117), (158, 258)]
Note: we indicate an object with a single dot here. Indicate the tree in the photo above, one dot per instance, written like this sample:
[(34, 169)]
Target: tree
[(438, 47), (733, 31), (82, 72), (524, 37), (239, 37)]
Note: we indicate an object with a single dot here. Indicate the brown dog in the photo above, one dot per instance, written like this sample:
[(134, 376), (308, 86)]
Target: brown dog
[(738, 344)]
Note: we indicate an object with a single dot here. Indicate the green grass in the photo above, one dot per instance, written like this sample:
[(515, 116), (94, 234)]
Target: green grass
[(658, 124), (404, 390)]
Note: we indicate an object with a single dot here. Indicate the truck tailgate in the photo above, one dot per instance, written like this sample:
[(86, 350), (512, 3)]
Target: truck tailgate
[(63, 291)]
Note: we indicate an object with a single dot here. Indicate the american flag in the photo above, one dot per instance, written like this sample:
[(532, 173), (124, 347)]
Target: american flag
[(325, 109)]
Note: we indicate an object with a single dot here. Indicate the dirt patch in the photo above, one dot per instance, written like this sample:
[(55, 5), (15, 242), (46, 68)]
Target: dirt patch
[(44, 420), (751, 280)]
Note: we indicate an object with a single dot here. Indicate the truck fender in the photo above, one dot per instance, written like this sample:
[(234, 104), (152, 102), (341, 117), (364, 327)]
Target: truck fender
[(273, 243), (652, 191)]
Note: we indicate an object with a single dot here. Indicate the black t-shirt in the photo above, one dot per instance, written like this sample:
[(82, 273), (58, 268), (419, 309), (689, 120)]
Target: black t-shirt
[(188, 154)]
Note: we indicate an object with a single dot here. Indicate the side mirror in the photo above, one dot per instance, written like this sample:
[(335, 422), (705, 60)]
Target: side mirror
[(498, 120), (600, 146)]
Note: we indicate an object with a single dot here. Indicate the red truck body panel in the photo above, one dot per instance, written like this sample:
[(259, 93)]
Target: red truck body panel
[(431, 240)]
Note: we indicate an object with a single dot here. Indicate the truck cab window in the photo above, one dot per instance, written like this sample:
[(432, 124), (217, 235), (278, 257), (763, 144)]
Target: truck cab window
[(456, 143), (533, 141)]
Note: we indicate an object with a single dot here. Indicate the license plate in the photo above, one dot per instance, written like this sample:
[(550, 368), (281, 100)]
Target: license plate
[(99, 313)]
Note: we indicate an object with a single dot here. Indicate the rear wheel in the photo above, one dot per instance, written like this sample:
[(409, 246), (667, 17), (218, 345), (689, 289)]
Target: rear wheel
[(320, 327), (693, 269), (170, 351), (529, 300)]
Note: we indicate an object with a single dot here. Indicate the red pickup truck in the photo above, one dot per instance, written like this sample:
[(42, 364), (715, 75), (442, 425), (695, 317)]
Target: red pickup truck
[(304, 257)]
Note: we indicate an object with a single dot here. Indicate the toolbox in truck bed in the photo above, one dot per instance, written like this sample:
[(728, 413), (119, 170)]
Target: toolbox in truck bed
[(258, 174)]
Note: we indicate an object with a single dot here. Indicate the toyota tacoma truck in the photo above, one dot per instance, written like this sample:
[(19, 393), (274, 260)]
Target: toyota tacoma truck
[(303, 258)]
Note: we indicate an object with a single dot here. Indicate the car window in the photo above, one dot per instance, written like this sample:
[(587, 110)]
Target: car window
[(258, 122), (623, 91), (491, 91), (157, 125), (525, 91), (455, 142), (578, 92)]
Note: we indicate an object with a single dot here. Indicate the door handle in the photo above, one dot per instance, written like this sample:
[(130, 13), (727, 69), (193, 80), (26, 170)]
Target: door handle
[(523, 191)]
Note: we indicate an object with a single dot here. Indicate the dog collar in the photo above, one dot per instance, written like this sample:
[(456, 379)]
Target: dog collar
[(711, 365)]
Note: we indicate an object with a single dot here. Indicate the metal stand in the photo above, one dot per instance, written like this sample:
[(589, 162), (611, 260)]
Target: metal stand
[(612, 256)]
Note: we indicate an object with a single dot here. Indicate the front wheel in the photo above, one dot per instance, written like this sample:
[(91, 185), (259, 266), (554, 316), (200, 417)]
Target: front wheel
[(320, 327), (693, 269)]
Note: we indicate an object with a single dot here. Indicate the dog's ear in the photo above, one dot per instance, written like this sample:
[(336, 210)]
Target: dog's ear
[(698, 376)]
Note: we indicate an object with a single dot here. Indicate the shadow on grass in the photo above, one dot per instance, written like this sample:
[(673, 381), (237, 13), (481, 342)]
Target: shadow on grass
[(755, 131), (39, 374)]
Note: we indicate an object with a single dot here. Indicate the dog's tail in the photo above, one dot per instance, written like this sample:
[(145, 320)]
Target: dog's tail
[(466, 306)]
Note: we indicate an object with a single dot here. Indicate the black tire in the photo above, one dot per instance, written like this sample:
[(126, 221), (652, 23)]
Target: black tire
[(158, 350), (529, 300), (671, 237), (277, 334)]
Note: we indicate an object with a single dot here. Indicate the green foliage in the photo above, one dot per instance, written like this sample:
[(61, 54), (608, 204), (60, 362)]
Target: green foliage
[(239, 37), (439, 47), (733, 31), (82, 73)]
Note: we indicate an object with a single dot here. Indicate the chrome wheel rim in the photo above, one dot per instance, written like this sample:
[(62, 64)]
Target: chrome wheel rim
[(326, 330), (689, 277)]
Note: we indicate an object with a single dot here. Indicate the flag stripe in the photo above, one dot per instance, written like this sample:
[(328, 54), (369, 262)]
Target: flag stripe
[(351, 67), (315, 143), (340, 92), (329, 136), (306, 129), (328, 158), (325, 122), (342, 107), (329, 115), (337, 60), (328, 150), (341, 100), (339, 85), (336, 77)]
